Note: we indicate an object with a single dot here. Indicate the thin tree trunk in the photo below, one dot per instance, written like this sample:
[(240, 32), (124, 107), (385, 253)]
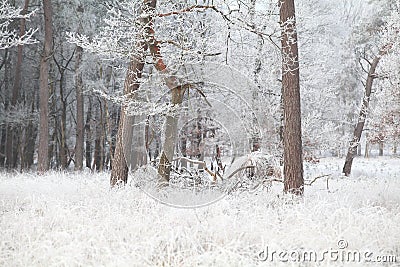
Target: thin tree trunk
[(366, 153), (9, 144), (3, 145), (79, 110), (80, 124), (293, 159), (29, 148), (363, 112), (381, 146), (255, 139), (63, 126), (98, 142), (43, 149), (88, 143)]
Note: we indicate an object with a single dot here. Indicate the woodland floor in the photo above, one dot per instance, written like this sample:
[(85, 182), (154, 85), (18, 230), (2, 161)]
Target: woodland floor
[(64, 219)]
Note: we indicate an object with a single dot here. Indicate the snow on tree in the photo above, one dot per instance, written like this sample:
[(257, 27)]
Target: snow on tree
[(10, 38)]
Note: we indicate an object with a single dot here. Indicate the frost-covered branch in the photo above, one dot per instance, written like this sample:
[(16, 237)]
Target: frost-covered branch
[(10, 38)]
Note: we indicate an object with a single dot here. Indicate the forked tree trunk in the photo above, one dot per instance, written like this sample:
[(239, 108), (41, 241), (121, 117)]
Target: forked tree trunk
[(292, 143), (363, 112), (43, 149), (177, 92)]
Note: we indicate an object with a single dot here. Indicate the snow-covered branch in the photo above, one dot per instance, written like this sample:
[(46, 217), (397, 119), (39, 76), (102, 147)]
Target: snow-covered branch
[(10, 38)]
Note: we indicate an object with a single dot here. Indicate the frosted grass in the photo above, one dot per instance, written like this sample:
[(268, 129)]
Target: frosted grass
[(64, 219)]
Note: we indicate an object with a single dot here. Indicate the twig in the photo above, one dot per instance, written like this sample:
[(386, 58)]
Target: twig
[(316, 178)]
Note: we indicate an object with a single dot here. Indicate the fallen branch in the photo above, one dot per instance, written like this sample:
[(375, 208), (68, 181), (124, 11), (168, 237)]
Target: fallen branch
[(316, 178), (240, 169)]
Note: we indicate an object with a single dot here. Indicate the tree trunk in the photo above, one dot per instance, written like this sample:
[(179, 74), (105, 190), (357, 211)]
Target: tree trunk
[(255, 139), (43, 149), (366, 153), (3, 145), (119, 172), (99, 138), (363, 112), (293, 161), (12, 131), (177, 92), (79, 111), (359, 150), (88, 144), (29, 148), (6, 63), (64, 151), (381, 145)]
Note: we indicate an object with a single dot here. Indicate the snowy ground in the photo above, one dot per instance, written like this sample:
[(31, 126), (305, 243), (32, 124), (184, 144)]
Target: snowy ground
[(75, 220)]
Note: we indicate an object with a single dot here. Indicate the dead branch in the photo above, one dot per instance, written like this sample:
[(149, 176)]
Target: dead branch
[(240, 169), (316, 178)]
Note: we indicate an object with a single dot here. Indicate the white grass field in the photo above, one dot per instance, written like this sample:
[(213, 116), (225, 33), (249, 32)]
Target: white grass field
[(64, 219)]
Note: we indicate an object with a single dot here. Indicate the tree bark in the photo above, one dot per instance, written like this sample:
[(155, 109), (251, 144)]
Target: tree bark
[(29, 148), (98, 157), (79, 110), (88, 143), (363, 112), (292, 142), (119, 172), (43, 149)]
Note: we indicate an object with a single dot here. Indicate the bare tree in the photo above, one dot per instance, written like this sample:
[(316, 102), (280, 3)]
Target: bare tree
[(292, 142), (351, 153), (43, 149)]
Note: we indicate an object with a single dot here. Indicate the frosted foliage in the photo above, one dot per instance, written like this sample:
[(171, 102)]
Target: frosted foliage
[(67, 219), (10, 38), (385, 111)]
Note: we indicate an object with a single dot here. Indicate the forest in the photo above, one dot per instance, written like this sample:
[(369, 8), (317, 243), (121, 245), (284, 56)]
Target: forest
[(191, 116)]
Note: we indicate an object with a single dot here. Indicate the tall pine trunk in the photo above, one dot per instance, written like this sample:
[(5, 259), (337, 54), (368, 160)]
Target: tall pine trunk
[(292, 142), (43, 149)]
